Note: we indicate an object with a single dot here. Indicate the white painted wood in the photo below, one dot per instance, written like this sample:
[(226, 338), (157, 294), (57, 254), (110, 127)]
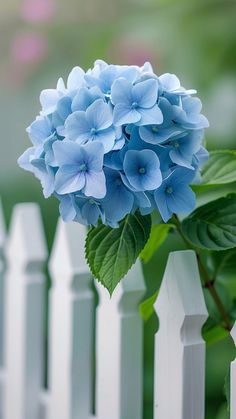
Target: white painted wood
[(2, 301), (119, 349), (26, 254), (71, 326), (233, 380), (179, 347)]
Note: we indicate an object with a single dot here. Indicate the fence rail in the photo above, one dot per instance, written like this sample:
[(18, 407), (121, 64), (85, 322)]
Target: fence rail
[(77, 326)]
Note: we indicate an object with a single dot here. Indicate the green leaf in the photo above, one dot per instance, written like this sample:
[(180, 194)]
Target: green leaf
[(215, 335), (220, 168), (159, 233), (213, 226), (146, 307), (112, 251), (227, 389)]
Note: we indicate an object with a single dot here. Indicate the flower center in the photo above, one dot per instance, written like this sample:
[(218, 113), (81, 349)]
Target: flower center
[(83, 167), (169, 190), (93, 131), (134, 105), (155, 130), (176, 144), (142, 170)]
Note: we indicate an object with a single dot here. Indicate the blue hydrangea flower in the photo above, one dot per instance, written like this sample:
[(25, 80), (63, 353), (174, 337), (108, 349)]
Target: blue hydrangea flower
[(135, 103), (80, 168), (142, 169), (93, 124), (175, 196), (117, 139)]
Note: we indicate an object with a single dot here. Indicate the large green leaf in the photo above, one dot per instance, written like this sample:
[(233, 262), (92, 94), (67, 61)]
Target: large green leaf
[(213, 226), (112, 251), (220, 168), (159, 233), (215, 335)]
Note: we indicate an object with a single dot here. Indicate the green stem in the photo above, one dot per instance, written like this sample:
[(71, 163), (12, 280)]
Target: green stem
[(208, 282)]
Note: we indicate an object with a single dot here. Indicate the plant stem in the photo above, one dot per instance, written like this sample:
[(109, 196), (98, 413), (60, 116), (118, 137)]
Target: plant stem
[(208, 282)]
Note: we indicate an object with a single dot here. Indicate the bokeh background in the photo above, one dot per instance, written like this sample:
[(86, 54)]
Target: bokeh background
[(41, 40)]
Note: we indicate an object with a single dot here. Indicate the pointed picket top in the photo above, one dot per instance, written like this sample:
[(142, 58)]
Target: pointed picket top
[(2, 227), (181, 287), (233, 333), (26, 243), (68, 253)]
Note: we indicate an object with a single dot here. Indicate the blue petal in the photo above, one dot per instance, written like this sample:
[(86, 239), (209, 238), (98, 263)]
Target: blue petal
[(161, 202), (124, 114), (75, 78), (24, 160), (68, 179), (107, 138), (145, 93), (93, 154), (99, 115), (77, 127), (121, 92), (67, 152), (48, 100), (91, 213), (152, 116), (95, 185), (67, 208), (182, 200)]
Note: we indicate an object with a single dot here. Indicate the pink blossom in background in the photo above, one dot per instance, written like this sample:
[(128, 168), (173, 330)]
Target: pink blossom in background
[(29, 48), (37, 10), (27, 51)]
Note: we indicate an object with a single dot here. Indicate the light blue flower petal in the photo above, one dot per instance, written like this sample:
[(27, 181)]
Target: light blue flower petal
[(99, 115), (75, 78), (151, 116), (48, 100), (90, 212), (68, 179), (95, 185), (177, 158), (93, 155), (84, 98), (77, 127), (24, 160), (123, 114), (64, 107), (161, 203), (169, 82), (145, 93), (67, 208), (107, 138), (121, 92), (67, 152), (182, 200)]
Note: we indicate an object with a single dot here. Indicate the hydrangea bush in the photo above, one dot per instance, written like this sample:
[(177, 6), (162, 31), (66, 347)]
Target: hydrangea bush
[(115, 140), (122, 149)]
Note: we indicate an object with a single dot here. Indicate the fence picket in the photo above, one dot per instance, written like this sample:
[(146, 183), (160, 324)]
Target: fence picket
[(179, 347), (233, 380), (2, 299), (26, 252), (71, 326), (119, 349)]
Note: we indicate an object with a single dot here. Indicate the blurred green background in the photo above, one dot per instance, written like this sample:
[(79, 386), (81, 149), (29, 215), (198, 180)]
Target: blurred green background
[(41, 40)]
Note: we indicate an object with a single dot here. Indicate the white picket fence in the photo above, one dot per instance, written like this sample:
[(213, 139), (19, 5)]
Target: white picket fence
[(179, 347)]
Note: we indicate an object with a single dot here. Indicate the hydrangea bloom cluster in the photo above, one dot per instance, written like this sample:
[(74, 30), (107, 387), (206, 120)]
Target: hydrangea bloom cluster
[(117, 139)]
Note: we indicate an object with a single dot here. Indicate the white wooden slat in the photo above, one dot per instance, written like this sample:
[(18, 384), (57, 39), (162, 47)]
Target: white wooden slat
[(71, 326), (233, 380), (2, 301), (26, 254), (179, 347), (119, 349)]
